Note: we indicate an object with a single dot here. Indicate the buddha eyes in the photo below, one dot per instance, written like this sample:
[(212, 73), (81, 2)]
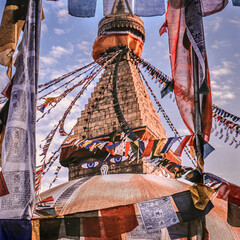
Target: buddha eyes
[(117, 159), (90, 165)]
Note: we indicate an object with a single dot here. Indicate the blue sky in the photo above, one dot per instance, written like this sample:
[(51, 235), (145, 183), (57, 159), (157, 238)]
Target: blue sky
[(66, 44)]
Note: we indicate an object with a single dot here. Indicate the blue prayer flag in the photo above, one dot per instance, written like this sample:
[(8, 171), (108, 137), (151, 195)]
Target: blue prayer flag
[(82, 8)]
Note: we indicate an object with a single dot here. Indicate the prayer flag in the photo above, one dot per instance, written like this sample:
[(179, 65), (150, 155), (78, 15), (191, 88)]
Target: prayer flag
[(48, 199), (50, 228), (180, 148), (187, 210), (146, 8), (213, 6), (46, 211), (15, 229), (186, 229), (236, 3), (10, 29), (91, 227), (18, 153), (3, 186), (112, 146), (110, 8), (159, 147), (118, 220), (184, 26), (233, 217), (208, 148), (148, 149), (223, 191), (140, 232), (157, 213), (201, 195), (169, 144), (72, 226), (82, 8)]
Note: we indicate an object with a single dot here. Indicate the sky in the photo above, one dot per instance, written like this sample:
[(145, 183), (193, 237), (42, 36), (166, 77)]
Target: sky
[(66, 44)]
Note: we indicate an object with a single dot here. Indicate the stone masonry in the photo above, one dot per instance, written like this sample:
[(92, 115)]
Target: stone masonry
[(99, 117)]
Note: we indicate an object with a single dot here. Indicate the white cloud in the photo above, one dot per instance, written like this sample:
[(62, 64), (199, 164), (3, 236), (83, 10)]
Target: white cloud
[(215, 24), (222, 92), (235, 21), (59, 51), (217, 44), (86, 47), (44, 28), (56, 53), (222, 70), (59, 31), (47, 60), (62, 15)]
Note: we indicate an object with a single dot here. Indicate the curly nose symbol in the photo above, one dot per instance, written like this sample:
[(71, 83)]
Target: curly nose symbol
[(104, 169)]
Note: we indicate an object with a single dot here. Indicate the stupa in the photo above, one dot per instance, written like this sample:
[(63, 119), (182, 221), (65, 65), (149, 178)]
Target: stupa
[(119, 100)]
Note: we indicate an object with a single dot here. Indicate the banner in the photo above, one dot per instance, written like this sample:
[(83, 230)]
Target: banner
[(158, 213), (18, 151)]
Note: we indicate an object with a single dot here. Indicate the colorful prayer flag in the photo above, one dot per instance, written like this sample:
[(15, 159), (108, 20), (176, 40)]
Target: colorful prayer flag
[(187, 210), (19, 157), (201, 195), (169, 144)]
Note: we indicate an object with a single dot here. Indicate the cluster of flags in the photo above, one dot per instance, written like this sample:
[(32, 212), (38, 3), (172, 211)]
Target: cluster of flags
[(143, 8), (138, 148), (166, 118), (226, 124), (156, 215)]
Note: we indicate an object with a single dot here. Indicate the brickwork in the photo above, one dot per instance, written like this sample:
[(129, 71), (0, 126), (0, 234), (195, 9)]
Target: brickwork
[(75, 172), (99, 117)]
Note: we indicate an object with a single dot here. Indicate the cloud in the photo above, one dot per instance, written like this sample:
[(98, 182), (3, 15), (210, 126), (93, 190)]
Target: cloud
[(59, 31), (222, 93), (217, 44), (59, 51), (222, 70), (47, 60), (86, 47), (235, 21), (56, 53), (44, 28), (215, 24), (62, 15)]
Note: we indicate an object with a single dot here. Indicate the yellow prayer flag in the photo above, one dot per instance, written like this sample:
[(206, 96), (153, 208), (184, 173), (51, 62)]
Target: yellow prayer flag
[(159, 147), (201, 195)]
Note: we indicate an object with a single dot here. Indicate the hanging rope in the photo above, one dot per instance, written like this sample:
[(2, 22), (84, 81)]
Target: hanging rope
[(165, 116)]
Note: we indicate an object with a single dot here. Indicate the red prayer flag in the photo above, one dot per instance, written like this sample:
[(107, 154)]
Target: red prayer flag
[(3, 187), (182, 72), (180, 148), (48, 199), (223, 191), (229, 192), (91, 227), (127, 149), (148, 148), (118, 220)]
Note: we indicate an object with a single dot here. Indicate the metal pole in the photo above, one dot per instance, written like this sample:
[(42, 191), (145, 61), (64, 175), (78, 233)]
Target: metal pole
[(198, 121)]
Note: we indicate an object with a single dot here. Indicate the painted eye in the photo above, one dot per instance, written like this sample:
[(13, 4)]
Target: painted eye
[(118, 159), (90, 165)]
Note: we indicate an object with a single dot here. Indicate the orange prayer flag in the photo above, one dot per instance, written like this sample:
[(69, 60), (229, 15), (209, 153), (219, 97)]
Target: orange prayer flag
[(118, 220)]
